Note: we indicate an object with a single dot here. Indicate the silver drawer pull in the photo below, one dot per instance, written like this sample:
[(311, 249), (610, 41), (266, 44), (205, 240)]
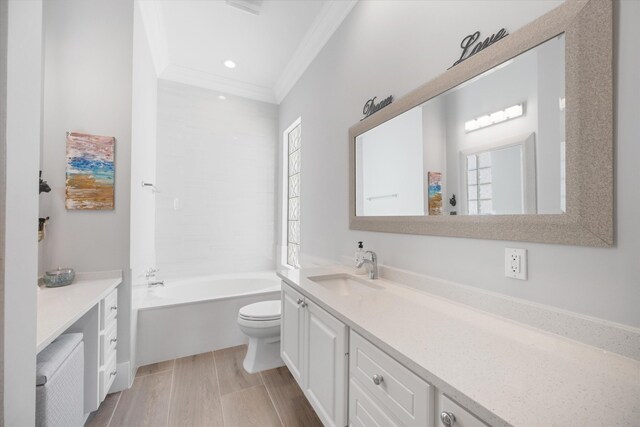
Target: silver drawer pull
[(377, 379), (447, 418), (112, 373), (114, 307), (114, 339), (299, 301)]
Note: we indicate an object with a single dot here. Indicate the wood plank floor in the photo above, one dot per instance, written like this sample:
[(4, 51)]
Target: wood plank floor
[(209, 389)]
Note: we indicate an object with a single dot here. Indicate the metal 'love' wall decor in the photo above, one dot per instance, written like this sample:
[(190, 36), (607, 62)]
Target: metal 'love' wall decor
[(470, 48), (371, 107)]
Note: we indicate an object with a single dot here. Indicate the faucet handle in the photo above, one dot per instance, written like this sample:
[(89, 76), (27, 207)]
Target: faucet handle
[(151, 272)]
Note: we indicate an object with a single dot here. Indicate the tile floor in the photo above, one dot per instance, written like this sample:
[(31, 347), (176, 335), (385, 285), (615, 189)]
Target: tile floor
[(209, 389)]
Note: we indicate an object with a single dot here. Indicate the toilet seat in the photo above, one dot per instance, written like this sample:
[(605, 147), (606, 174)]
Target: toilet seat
[(261, 311)]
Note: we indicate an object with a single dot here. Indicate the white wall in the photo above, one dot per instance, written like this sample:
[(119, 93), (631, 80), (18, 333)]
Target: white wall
[(434, 155), (361, 61), (24, 84), (144, 108), (215, 212), (87, 87), (143, 152), (390, 163)]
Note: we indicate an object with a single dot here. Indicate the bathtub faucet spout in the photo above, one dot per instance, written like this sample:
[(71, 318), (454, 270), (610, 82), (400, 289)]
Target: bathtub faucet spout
[(154, 284)]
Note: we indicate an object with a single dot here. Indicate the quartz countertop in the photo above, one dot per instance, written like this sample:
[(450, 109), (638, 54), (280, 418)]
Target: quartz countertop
[(59, 308), (505, 372)]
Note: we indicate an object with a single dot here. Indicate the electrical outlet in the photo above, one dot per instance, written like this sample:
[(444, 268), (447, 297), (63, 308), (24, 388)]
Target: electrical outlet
[(515, 263)]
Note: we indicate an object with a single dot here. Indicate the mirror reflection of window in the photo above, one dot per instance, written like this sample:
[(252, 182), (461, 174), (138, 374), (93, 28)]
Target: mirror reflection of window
[(479, 189)]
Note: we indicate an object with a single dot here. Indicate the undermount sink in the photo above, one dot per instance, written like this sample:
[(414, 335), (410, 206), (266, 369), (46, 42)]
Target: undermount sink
[(345, 284)]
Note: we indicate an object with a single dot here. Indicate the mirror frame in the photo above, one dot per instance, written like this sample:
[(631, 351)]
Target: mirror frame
[(589, 217)]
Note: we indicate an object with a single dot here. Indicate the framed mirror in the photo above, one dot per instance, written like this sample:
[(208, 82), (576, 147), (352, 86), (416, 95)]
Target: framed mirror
[(514, 143)]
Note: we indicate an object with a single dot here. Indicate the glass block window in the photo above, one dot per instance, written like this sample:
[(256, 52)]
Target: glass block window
[(479, 191), (293, 197), (563, 177)]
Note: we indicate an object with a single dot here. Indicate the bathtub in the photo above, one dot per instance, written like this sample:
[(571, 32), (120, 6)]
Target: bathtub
[(196, 315)]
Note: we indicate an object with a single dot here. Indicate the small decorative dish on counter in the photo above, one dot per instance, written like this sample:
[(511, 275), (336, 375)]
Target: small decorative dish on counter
[(59, 277)]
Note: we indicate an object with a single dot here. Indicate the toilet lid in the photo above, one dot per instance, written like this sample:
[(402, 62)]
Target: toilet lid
[(265, 310)]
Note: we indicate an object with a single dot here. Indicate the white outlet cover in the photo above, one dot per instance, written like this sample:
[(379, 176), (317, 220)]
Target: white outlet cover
[(515, 263)]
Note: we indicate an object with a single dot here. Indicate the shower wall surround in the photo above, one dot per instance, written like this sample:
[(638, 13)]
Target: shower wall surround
[(216, 177)]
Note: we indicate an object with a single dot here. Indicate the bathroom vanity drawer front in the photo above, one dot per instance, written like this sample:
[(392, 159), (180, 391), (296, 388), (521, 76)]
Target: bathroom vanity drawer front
[(364, 411), (109, 309), (404, 394), (107, 376), (108, 342), (451, 411)]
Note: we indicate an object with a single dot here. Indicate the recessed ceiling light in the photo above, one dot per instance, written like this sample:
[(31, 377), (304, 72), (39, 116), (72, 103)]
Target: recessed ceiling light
[(222, 97), (229, 64)]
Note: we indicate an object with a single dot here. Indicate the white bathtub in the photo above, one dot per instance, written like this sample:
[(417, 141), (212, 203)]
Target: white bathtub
[(195, 315)]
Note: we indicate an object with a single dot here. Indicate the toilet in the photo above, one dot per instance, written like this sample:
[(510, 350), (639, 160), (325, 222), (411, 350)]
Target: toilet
[(261, 323)]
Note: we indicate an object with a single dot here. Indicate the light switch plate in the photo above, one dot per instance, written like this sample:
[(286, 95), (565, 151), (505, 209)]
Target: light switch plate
[(515, 263)]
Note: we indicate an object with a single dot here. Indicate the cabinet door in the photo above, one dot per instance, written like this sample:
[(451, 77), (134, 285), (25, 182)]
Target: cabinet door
[(291, 342), (325, 367)]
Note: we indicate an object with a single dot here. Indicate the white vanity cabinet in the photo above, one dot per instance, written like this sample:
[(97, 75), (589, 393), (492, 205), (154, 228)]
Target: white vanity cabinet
[(291, 333), (108, 342), (383, 392), (314, 347), (450, 414)]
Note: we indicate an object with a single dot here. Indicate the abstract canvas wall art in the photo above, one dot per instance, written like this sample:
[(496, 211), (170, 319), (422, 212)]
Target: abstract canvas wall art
[(90, 172), (435, 193)]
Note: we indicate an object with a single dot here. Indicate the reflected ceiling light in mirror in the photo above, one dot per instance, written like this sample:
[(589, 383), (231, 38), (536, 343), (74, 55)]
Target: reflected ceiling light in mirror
[(229, 64), (222, 97), (491, 119)]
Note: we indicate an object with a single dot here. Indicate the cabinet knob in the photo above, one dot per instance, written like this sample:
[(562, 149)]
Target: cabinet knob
[(112, 373), (114, 339), (447, 418), (114, 307), (377, 379), (299, 301)]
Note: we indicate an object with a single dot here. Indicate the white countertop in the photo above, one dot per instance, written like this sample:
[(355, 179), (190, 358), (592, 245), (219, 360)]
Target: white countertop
[(59, 308), (505, 372)]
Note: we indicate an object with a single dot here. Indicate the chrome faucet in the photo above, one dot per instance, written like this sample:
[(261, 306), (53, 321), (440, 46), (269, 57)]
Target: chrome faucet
[(151, 273), (371, 259), (157, 283)]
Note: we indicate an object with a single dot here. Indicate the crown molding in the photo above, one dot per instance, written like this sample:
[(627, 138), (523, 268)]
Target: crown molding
[(327, 22), (153, 20), (190, 76)]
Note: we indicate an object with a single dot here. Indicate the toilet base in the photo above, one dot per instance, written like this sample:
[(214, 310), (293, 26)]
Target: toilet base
[(262, 354)]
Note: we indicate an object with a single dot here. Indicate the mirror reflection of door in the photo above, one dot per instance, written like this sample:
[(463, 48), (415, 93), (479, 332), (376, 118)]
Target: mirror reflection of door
[(500, 179)]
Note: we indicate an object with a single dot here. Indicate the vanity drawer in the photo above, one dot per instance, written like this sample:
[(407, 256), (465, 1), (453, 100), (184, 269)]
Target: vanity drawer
[(463, 418), (108, 309), (400, 391), (364, 411), (107, 376), (108, 342)]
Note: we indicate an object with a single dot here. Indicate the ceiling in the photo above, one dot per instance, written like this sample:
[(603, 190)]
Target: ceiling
[(190, 39)]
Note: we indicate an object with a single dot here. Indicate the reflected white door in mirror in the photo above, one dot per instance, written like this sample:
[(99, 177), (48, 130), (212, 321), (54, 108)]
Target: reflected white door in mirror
[(500, 178)]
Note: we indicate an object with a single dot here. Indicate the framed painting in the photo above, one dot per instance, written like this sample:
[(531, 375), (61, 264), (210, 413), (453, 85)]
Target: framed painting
[(90, 172)]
